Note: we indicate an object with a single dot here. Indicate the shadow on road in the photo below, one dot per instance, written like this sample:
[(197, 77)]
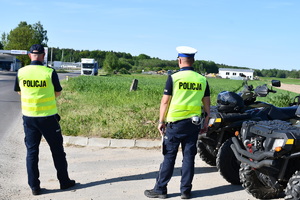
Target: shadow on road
[(152, 175)]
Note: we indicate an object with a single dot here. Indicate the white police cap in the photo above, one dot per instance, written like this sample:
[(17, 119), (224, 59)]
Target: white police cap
[(185, 51)]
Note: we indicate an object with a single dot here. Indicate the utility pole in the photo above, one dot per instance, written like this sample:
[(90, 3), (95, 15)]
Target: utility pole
[(51, 56)]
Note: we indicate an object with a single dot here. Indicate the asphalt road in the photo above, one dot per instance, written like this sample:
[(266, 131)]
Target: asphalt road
[(9, 102)]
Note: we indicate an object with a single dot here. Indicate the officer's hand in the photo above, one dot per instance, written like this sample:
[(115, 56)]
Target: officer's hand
[(205, 126), (203, 130), (161, 128)]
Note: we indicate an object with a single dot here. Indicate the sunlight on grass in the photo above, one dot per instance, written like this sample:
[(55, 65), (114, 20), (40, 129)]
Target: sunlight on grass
[(103, 106)]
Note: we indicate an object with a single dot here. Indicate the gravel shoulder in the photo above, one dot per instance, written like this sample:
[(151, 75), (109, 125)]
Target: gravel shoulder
[(290, 87)]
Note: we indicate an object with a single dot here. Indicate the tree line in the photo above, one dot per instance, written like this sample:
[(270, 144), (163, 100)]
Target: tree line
[(24, 35)]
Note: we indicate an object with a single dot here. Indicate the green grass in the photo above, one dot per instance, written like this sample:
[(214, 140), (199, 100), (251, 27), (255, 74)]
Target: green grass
[(283, 80), (103, 106)]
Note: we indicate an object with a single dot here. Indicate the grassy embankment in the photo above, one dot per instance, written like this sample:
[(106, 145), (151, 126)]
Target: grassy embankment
[(103, 106)]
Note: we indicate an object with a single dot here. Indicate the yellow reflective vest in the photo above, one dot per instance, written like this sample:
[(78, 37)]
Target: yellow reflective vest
[(37, 91), (188, 91)]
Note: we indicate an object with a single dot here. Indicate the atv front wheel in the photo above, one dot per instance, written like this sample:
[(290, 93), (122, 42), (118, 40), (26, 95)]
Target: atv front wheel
[(227, 164), (253, 185), (292, 190), (205, 153)]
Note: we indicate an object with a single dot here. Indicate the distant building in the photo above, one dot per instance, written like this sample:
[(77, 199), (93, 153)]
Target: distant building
[(9, 62), (238, 74), (65, 65)]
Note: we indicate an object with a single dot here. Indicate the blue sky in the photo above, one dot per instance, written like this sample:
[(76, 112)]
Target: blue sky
[(259, 34)]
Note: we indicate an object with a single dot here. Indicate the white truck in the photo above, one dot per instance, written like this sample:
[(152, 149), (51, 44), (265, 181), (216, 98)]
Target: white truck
[(89, 66)]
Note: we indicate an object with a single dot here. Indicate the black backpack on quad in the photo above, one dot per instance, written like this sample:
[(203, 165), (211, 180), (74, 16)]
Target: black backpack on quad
[(269, 152)]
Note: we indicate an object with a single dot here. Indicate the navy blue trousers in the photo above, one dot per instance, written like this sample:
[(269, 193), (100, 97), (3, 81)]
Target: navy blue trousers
[(49, 128), (185, 133)]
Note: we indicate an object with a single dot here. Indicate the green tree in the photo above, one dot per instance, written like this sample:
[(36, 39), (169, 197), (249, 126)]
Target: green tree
[(143, 56), (1, 45), (280, 74), (208, 66), (4, 39), (84, 54), (111, 62), (23, 36), (40, 34), (124, 63), (257, 72), (294, 74)]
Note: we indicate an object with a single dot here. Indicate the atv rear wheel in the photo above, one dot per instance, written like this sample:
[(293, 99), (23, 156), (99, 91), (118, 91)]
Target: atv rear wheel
[(252, 184), (205, 153), (292, 190), (227, 164)]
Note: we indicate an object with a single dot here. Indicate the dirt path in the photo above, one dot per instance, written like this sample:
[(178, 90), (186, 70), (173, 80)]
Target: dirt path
[(290, 87)]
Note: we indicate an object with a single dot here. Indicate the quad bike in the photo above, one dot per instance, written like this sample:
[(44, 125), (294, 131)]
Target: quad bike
[(269, 152), (227, 164), (222, 117), (227, 118)]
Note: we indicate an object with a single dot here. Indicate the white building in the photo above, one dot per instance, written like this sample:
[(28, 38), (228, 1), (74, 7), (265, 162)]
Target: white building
[(239, 74)]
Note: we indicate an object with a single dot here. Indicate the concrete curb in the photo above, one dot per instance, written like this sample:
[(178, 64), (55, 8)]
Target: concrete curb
[(108, 142)]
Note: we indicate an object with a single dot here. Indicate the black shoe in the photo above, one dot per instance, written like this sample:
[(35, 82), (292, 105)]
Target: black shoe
[(71, 183), (186, 195), (153, 194), (36, 191)]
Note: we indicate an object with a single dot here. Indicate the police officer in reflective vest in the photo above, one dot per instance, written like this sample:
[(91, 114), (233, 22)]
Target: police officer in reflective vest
[(39, 86), (186, 94)]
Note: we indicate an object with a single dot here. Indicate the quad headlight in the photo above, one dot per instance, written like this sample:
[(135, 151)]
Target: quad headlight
[(214, 120), (278, 144), (211, 121)]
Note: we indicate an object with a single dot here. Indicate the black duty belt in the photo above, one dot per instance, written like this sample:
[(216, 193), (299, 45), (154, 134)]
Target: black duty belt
[(195, 120), (182, 120)]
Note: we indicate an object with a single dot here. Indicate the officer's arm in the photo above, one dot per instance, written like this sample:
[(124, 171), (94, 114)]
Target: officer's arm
[(57, 94), (206, 100), (164, 105), (17, 86), (56, 84), (206, 107)]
